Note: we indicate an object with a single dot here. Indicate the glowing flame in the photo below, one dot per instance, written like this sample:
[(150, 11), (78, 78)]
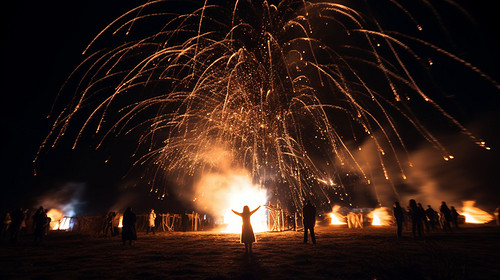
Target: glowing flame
[(337, 218), (120, 223), (380, 216), (474, 215), (219, 193), (245, 195), (57, 220)]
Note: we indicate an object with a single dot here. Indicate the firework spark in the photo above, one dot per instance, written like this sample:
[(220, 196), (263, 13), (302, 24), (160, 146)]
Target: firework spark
[(284, 91)]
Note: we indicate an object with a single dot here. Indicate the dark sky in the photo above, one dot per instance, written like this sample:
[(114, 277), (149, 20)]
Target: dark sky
[(42, 42)]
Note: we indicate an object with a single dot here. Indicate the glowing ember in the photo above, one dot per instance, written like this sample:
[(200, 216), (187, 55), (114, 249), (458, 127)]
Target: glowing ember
[(337, 218), (380, 216), (474, 215)]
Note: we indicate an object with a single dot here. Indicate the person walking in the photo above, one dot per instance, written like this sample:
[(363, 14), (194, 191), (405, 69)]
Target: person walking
[(247, 234), (309, 220)]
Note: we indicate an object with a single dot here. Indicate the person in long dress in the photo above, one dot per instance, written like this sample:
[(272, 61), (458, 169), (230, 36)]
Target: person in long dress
[(247, 235), (128, 230)]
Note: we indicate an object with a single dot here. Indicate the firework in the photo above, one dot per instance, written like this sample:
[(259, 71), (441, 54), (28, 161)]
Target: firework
[(283, 90)]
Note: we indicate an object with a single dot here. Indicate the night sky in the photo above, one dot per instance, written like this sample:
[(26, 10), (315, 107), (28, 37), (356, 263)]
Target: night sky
[(42, 42)]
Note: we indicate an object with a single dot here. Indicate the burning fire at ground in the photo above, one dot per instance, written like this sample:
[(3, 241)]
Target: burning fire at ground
[(220, 193), (337, 218), (58, 221), (381, 216), (474, 215)]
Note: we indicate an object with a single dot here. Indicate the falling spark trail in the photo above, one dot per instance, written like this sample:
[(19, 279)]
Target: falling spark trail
[(276, 88)]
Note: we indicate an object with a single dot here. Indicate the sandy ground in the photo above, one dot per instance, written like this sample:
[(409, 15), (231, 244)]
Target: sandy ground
[(472, 252)]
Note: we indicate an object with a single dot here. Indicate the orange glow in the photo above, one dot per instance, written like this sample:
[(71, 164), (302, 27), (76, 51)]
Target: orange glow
[(474, 215), (380, 216), (120, 223), (219, 193), (239, 196), (337, 218), (57, 220)]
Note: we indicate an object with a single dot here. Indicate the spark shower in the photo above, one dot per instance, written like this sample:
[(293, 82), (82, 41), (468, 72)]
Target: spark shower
[(285, 92)]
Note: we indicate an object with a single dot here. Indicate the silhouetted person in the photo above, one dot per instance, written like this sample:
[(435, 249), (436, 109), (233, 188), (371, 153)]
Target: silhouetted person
[(416, 219), (151, 220), (497, 216), (15, 226), (400, 217), (7, 220), (47, 223), (432, 217), (108, 224), (22, 228), (129, 232), (309, 220), (445, 216), (247, 235), (425, 222), (39, 223), (454, 216)]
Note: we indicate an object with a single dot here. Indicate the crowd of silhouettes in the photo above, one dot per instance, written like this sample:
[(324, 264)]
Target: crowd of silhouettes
[(15, 223), (422, 219)]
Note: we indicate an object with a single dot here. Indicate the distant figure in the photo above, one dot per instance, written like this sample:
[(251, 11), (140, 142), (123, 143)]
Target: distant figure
[(309, 220), (423, 217), (497, 216), (15, 226), (454, 216), (247, 235), (416, 219), (48, 220), (22, 229), (108, 224), (432, 217), (151, 225), (445, 218), (39, 222), (400, 217), (7, 220), (129, 232)]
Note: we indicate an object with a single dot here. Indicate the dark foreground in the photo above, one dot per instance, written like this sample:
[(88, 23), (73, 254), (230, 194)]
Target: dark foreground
[(472, 252)]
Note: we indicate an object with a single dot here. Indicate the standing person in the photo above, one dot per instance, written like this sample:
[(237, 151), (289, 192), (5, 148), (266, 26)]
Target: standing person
[(15, 226), (432, 216), (416, 219), (152, 218), (400, 217), (108, 224), (39, 222), (454, 216), (7, 220), (48, 220), (423, 217), (129, 232), (445, 216), (309, 220), (497, 216), (247, 235)]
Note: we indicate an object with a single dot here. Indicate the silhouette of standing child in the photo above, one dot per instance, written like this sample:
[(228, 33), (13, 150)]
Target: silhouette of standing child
[(247, 235)]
